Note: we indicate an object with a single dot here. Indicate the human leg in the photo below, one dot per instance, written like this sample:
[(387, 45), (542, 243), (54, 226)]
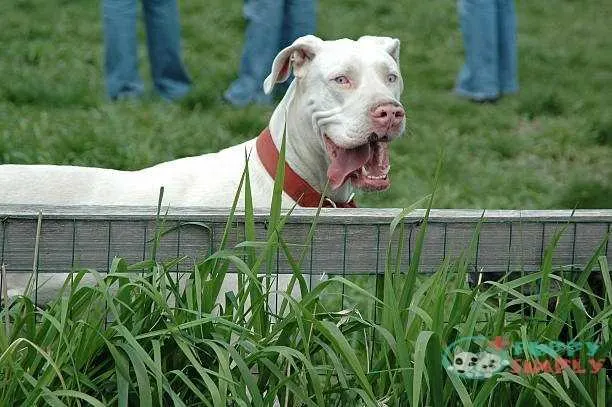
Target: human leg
[(262, 39), (508, 69), (479, 76), (164, 44), (300, 19), (121, 49)]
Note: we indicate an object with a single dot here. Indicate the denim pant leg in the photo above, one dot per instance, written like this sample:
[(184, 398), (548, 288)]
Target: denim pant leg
[(262, 42), (164, 43), (508, 69), (300, 19), (479, 77), (121, 48)]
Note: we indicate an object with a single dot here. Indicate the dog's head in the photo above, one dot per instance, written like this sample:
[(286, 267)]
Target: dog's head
[(351, 92)]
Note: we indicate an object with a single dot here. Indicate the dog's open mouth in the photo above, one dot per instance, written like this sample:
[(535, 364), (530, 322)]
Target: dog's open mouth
[(367, 166)]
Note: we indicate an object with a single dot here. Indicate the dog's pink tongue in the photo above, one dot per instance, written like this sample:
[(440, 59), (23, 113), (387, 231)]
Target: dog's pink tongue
[(344, 162)]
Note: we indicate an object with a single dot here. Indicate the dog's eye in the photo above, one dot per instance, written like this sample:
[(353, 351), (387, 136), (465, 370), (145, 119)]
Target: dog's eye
[(341, 80), (392, 78)]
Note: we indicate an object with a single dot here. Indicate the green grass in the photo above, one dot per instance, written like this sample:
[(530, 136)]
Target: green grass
[(141, 339), (548, 147)]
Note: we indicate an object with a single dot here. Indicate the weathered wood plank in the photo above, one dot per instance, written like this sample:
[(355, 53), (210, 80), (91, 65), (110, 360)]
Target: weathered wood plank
[(494, 248), (305, 215), (2, 227), (347, 241), (126, 239), (363, 249), (90, 238), (19, 244), (588, 240)]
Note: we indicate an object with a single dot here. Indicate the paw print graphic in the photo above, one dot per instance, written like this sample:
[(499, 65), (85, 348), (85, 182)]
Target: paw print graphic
[(478, 366)]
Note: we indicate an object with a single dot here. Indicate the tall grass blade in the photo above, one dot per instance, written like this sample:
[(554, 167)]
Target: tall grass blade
[(78, 395), (142, 376), (341, 345)]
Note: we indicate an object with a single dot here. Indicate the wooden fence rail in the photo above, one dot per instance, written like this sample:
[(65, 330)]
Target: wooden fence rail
[(346, 241)]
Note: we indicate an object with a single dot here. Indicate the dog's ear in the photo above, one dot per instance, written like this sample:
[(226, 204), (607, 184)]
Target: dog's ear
[(297, 55), (391, 45)]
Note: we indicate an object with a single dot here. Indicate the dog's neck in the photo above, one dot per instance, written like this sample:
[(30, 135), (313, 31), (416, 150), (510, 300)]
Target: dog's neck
[(304, 147)]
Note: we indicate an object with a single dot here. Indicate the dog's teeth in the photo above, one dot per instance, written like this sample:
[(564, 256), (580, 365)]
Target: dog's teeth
[(365, 173)]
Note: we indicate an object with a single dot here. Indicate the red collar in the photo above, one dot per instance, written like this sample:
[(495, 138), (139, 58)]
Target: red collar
[(294, 185)]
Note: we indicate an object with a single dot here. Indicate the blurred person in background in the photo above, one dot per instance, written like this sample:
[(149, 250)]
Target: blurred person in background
[(163, 42), (489, 41), (271, 26)]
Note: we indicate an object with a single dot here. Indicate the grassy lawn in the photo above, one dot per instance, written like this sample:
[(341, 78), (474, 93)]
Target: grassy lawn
[(148, 343), (548, 147), (139, 339)]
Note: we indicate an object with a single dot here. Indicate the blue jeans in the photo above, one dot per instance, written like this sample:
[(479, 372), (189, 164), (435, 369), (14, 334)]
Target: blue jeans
[(489, 40), (163, 41), (272, 26)]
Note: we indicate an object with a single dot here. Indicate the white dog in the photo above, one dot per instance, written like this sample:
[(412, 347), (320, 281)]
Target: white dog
[(338, 116), (340, 113)]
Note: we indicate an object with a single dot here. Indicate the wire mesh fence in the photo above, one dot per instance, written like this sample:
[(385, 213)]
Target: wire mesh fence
[(58, 240)]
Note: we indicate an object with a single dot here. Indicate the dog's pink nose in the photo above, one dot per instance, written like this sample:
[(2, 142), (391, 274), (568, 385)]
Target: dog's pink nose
[(387, 116)]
